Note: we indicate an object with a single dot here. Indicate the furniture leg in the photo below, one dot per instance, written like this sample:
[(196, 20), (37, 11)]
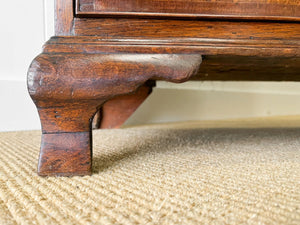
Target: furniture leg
[(66, 147), (68, 89)]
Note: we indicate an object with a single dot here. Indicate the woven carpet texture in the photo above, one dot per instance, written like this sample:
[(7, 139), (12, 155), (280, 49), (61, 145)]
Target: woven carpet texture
[(223, 172)]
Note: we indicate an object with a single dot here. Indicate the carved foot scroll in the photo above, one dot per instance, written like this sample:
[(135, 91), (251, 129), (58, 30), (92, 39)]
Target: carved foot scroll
[(69, 87)]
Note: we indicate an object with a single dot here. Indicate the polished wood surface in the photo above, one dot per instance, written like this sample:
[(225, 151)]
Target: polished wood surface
[(108, 49), (233, 9)]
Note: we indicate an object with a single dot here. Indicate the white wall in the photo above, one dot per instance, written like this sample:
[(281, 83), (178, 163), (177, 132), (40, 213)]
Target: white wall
[(22, 36), (31, 24)]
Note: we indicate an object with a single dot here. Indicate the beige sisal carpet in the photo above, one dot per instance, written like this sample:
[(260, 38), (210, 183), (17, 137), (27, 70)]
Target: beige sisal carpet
[(226, 172)]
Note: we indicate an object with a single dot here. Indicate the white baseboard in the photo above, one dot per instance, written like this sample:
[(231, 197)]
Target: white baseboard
[(183, 104), (17, 109), (267, 87)]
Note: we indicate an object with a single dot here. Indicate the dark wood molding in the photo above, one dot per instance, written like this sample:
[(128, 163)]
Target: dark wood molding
[(206, 46)]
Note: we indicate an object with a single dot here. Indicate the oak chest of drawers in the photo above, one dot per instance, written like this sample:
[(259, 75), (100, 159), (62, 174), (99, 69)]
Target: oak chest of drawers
[(103, 49)]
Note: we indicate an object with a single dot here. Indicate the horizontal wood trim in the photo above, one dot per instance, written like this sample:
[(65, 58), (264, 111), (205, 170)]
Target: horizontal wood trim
[(199, 46), (252, 60), (204, 37), (155, 29), (288, 10)]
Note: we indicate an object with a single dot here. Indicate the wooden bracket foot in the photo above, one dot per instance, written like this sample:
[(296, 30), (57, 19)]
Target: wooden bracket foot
[(68, 88)]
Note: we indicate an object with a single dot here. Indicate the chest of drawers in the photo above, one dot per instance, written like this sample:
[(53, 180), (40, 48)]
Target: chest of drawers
[(104, 49)]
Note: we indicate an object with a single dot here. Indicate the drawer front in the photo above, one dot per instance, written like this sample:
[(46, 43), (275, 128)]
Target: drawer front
[(244, 9)]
